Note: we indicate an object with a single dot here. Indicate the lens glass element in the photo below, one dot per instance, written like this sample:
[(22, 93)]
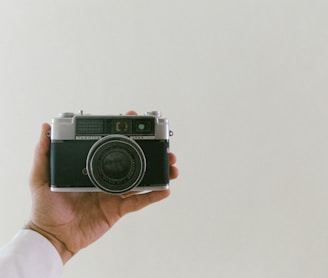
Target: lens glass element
[(116, 164)]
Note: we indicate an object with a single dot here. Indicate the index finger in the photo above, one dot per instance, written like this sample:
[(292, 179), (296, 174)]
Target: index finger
[(131, 112)]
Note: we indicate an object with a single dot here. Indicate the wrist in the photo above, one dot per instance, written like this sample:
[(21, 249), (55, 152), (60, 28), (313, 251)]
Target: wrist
[(60, 246)]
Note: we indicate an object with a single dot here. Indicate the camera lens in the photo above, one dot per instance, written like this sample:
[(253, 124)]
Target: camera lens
[(116, 164)]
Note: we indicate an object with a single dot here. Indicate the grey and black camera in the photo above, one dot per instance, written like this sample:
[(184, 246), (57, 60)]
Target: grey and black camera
[(114, 154)]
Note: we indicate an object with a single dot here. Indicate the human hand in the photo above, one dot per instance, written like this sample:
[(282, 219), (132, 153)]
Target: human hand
[(72, 221)]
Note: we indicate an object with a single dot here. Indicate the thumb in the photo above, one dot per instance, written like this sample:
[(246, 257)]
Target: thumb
[(40, 168)]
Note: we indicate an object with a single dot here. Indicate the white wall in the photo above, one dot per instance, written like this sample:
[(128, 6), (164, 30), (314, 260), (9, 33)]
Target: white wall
[(244, 84)]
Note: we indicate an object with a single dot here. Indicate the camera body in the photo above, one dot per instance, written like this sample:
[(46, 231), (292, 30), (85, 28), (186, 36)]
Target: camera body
[(113, 154)]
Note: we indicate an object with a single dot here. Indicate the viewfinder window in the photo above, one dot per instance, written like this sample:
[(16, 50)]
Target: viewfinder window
[(143, 126)]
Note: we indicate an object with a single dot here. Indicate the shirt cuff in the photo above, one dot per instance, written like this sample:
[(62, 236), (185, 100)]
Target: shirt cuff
[(29, 254)]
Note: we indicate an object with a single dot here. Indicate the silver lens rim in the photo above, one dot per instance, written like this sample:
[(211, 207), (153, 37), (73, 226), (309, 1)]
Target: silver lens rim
[(94, 152)]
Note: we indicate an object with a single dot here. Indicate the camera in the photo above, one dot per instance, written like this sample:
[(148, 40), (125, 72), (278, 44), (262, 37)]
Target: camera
[(113, 154)]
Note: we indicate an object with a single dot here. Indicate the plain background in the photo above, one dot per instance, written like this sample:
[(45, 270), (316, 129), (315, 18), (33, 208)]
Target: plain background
[(244, 85)]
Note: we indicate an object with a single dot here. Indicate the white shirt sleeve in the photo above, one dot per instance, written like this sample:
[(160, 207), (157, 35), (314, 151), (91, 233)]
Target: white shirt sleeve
[(30, 255)]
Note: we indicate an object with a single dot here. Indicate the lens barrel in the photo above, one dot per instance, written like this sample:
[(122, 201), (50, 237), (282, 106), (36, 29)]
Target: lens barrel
[(116, 164)]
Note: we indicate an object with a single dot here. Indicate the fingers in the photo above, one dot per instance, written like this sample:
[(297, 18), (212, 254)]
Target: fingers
[(139, 201), (173, 159), (40, 168), (174, 172)]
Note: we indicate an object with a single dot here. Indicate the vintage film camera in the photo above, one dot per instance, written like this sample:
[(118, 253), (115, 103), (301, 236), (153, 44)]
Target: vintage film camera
[(113, 154)]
